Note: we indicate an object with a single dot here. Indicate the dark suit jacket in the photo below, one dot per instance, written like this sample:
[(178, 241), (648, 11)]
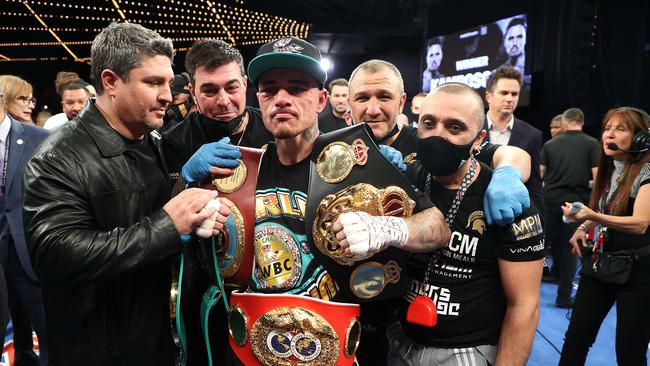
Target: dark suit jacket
[(528, 138), (23, 141), (4, 305)]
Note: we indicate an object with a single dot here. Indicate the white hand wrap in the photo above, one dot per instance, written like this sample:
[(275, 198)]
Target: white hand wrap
[(205, 230), (368, 235)]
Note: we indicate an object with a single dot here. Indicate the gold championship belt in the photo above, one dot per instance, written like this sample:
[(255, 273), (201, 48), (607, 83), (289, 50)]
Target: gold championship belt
[(349, 173), (234, 249), (288, 330)]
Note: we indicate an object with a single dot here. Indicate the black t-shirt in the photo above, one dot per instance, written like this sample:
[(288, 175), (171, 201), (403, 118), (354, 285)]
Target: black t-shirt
[(465, 282), (568, 158), (328, 122), (183, 140), (157, 187), (406, 142), (283, 260), (486, 153)]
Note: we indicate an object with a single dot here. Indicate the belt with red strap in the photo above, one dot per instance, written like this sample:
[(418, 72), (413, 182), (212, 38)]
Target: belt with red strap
[(269, 329)]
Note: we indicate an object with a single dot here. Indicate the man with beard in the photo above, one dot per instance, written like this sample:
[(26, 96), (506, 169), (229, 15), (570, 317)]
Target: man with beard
[(433, 61), (514, 43), (376, 98), (290, 99), (486, 283), (99, 222), (338, 97)]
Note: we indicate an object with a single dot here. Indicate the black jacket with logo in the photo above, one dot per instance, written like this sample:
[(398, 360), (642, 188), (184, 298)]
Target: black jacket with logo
[(101, 251)]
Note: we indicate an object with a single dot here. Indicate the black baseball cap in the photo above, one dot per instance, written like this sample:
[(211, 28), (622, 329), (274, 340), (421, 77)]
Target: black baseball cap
[(288, 53), (180, 84)]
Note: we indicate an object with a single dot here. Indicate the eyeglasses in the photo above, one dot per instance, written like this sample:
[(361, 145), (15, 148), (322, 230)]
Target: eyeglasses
[(27, 100)]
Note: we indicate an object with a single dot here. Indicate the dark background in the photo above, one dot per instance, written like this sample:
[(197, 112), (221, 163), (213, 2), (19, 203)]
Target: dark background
[(594, 55)]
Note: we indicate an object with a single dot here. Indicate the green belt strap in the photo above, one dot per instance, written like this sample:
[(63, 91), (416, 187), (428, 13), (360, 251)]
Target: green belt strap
[(210, 298), (180, 324)]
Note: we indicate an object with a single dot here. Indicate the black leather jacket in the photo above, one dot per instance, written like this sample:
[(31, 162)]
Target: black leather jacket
[(102, 254)]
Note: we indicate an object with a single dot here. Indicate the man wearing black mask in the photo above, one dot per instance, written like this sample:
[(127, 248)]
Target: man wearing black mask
[(486, 283), (218, 87), (182, 104)]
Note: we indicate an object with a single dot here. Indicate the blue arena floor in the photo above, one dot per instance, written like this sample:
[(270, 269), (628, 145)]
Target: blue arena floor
[(549, 337), (553, 323)]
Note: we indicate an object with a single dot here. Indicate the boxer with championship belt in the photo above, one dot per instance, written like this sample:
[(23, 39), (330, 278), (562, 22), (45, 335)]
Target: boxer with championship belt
[(290, 81), (348, 173)]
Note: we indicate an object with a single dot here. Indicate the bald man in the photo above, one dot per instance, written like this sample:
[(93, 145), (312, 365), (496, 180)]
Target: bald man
[(486, 282)]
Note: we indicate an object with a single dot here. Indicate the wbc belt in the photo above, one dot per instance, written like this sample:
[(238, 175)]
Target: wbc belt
[(288, 330), (348, 173), (234, 249)]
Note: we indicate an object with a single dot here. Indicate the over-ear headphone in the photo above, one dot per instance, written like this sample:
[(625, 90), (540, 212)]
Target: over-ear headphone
[(641, 140)]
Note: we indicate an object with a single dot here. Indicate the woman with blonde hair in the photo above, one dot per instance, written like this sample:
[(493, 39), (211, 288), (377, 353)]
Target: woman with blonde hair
[(18, 101), (618, 268)]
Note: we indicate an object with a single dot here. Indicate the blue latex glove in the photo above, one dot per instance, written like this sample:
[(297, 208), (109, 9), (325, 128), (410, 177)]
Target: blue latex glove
[(506, 196), (394, 156), (220, 154)]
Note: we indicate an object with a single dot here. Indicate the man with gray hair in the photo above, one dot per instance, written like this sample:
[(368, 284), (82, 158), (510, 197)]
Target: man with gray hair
[(100, 224), (485, 283)]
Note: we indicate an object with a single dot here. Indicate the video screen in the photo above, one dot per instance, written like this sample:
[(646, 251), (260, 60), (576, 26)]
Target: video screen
[(469, 56)]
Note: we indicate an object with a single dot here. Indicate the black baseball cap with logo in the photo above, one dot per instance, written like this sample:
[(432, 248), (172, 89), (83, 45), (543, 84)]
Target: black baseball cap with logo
[(288, 53), (180, 84)]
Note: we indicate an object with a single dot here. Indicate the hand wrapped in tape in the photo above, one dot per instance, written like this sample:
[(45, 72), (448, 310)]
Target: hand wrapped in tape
[(362, 234), (215, 222)]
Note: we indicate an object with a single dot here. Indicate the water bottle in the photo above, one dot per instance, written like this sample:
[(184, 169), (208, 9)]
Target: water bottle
[(575, 208)]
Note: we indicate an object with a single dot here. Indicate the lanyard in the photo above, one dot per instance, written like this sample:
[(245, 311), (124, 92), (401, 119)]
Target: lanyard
[(453, 210), (6, 161)]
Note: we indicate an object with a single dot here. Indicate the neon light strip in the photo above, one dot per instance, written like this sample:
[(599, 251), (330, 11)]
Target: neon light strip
[(50, 30), (117, 6)]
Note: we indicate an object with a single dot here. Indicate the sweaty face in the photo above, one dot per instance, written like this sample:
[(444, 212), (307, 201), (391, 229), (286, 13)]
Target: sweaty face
[(73, 101), (290, 102), (141, 102), (505, 96), (434, 57), (515, 40), (220, 94), (448, 116), (339, 99), (376, 99)]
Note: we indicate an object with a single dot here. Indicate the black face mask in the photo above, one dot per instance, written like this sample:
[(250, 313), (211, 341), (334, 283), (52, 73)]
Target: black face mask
[(440, 157), (226, 128), (177, 112)]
